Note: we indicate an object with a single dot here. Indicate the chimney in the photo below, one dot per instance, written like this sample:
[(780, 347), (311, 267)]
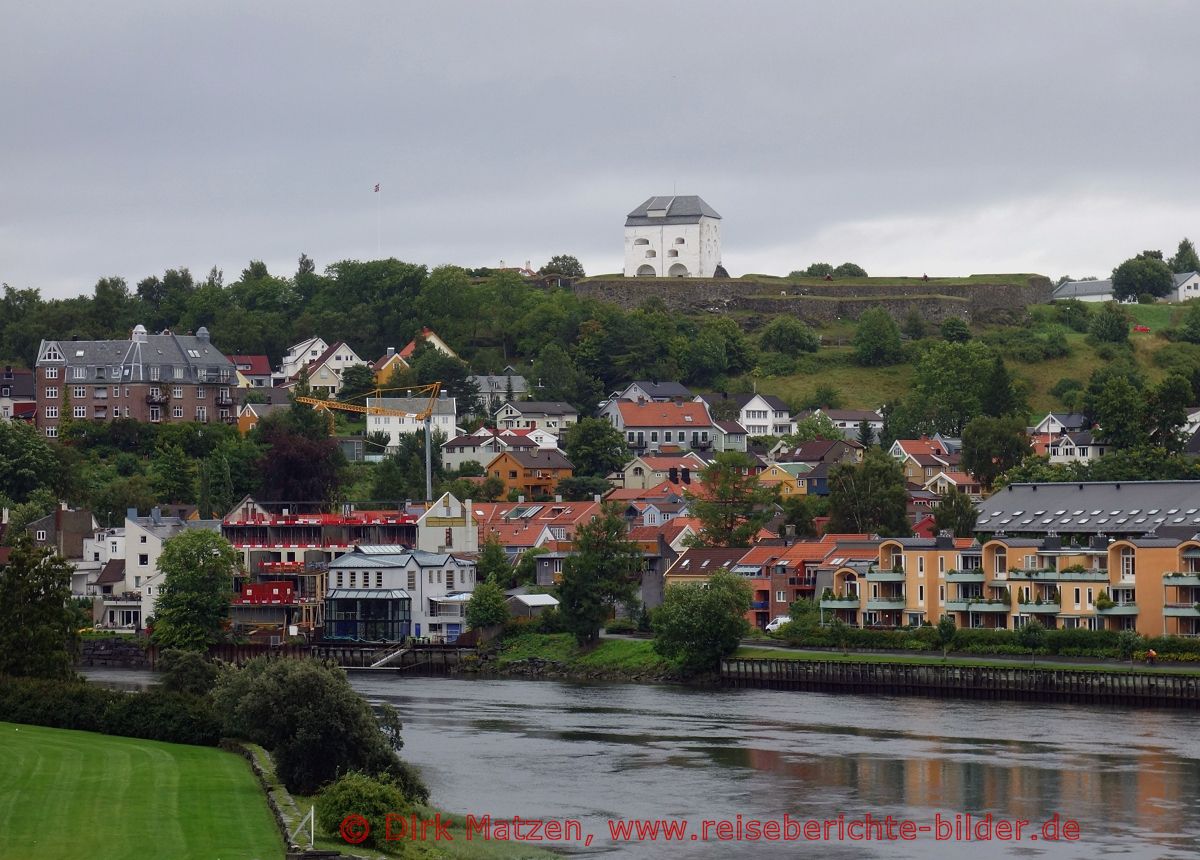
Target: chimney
[(131, 513), (673, 475), (391, 351), (596, 498), (789, 531), (202, 335), (686, 475), (1052, 541), (520, 500), (558, 498), (945, 540)]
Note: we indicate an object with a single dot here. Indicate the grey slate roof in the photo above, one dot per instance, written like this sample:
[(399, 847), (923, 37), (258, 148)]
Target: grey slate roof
[(541, 407), (740, 400), (1180, 277), (130, 360), (414, 405), (1121, 507), (666, 390), (534, 458), (1079, 289), (681, 209)]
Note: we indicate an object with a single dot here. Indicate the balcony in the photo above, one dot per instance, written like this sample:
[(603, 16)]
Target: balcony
[(1095, 575), (1181, 610), (965, 576), (157, 399), (760, 604), (1181, 579), (885, 576), (1118, 609), (978, 605), (1044, 608), (1025, 573), (885, 603), (843, 602)]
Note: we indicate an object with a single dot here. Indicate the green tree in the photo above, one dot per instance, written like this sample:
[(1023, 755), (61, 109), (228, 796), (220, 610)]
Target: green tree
[(1121, 414), (801, 512), (950, 381), (815, 426), (493, 564), (1142, 274), (869, 497), (582, 489), (788, 335), (1110, 324), (37, 634), (173, 476), (294, 464), (487, 608), (955, 330), (1185, 259), (357, 381), (733, 506), (1166, 412), (362, 796), (27, 461), (1032, 636), (193, 604), (955, 512), (915, 325), (998, 395), (315, 724), (698, 624), (563, 264), (1190, 329), (595, 448), (815, 270), (866, 435), (992, 446), (602, 573), (944, 633), (877, 339), (850, 270)]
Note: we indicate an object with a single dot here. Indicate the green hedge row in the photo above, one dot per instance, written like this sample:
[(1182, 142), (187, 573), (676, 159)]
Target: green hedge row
[(1062, 643), (156, 714)]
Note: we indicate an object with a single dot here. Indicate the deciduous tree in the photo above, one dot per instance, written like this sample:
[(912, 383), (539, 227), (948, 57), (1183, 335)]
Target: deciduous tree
[(732, 505), (595, 448), (602, 573), (37, 636), (193, 603), (1142, 274), (698, 624), (992, 446), (487, 608), (956, 513), (877, 339), (869, 497)]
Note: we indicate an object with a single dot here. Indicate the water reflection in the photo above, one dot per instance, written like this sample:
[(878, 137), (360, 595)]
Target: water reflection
[(1130, 778)]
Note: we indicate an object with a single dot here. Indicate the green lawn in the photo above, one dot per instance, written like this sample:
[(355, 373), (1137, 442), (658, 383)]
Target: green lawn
[(615, 655), (67, 794)]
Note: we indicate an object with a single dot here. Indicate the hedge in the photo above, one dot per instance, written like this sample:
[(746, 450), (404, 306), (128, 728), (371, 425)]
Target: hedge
[(154, 715)]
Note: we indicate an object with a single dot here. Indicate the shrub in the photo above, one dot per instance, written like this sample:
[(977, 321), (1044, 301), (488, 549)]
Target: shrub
[(620, 625), (789, 336), (360, 794), (187, 672), (314, 723), (161, 715), (550, 621), (56, 704)]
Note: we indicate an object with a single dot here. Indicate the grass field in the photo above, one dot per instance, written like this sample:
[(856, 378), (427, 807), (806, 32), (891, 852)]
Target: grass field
[(936, 660), (67, 794), (615, 655)]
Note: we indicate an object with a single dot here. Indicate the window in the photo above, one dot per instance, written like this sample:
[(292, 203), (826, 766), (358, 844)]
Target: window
[(176, 411), (920, 565), (650, 254), (51, 373), (52, 393), (340, 582), (41, 534), (941, 594), (177, 372), (641, 241), (51, 411), (142, 539), (921, 595), (1089, 603), (430, 577), (99, 372), (679, 240), (79, 373), (781, 596), (1076, 598), (667, 436), (78, 391), (155, 414), (412, 580), (177, 391), (201, 392), (137, 582), (79, 412), (143, 560), (155, 371), (379, 579), (353, 578), (449, 579), (449, 536), (51, 432)]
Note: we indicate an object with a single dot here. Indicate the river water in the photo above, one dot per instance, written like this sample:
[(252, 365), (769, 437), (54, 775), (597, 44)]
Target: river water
[(1129, 779)]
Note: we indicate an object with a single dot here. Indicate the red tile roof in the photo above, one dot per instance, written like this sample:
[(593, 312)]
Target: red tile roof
[(412, 344), (664, 414), (254, 365)]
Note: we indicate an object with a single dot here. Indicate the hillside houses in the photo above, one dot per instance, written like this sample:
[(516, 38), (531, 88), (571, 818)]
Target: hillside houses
[(651, 426), (553, 417), (759, 414)]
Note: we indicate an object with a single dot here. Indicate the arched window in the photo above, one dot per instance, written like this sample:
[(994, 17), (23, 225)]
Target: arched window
[(641, 241), (646, 272), (679, 270), (679, 240), (650, 255), (672, 253)]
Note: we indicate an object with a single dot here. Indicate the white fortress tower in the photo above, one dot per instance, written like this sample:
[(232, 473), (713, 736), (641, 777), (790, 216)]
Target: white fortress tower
[(672, 237)]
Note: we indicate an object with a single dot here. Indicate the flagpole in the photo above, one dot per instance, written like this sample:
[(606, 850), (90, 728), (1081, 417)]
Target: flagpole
[(378, 247)]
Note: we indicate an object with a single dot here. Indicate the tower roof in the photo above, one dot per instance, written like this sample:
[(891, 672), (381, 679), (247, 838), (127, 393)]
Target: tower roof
[(681, 209)]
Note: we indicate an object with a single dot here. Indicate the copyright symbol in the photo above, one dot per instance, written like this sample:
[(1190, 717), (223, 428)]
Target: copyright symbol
[(355, 829)]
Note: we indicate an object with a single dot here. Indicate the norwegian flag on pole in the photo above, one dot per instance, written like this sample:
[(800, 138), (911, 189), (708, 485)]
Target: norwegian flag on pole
[(376, 186)]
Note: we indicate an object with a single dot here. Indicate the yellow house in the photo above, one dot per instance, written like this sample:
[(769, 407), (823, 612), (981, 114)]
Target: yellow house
[(789, 485), (386, 365)]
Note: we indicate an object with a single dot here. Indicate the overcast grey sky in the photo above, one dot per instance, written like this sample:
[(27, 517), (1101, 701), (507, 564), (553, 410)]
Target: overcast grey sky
[(940, 137)]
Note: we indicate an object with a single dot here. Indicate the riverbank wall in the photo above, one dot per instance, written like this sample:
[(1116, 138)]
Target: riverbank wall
[(1013, 683)]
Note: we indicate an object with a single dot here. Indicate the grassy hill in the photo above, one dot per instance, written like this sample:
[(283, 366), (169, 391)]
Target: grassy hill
[(67, 794)]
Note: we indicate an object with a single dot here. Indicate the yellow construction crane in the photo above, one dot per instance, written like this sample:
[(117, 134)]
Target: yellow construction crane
[(432, 392)]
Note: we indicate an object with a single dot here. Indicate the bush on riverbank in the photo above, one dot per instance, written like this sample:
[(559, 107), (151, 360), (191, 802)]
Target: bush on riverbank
[(154, 715), (519, 648)]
